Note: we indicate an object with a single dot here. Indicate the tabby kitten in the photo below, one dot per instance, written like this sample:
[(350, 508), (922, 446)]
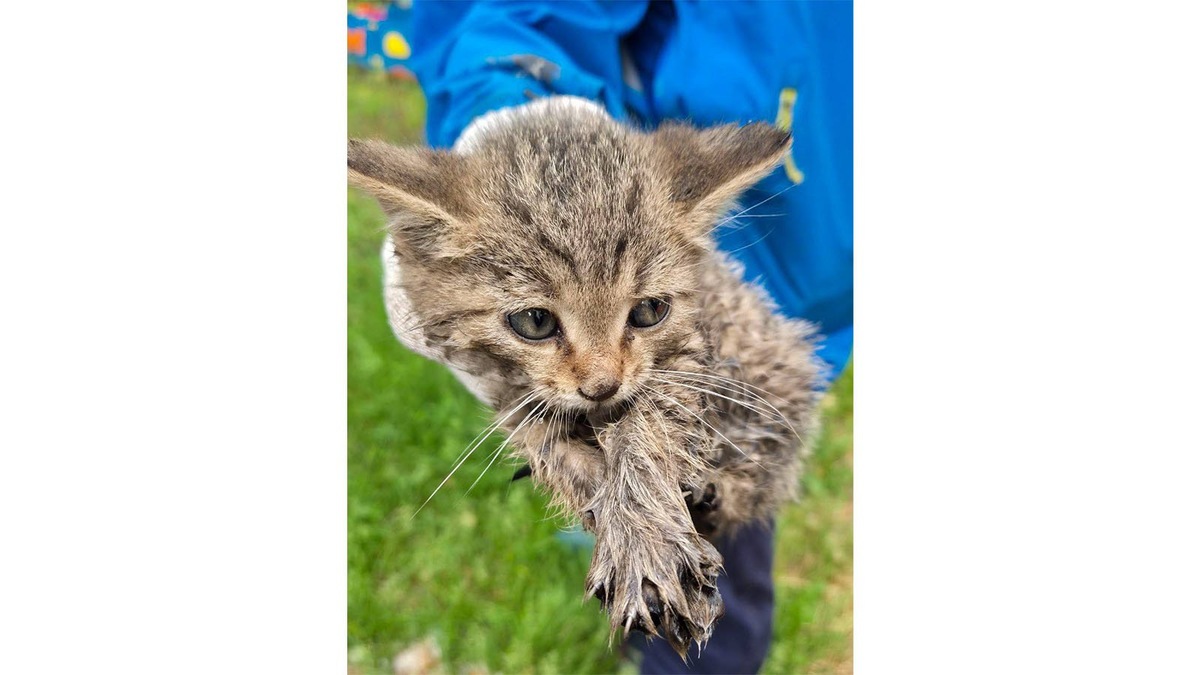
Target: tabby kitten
[(563, 266)]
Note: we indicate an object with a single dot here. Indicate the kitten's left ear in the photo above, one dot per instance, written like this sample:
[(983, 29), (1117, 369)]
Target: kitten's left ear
[(708, 168)]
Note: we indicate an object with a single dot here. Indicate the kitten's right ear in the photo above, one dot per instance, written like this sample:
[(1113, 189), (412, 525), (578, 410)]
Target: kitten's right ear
[(421, 190), (708, 168)]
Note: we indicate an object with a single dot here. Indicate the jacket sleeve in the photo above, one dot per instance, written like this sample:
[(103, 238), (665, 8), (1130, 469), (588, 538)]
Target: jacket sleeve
[(475, 57)]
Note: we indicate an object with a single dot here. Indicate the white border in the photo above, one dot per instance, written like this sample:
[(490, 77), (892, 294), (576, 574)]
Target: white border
[(172, 258)]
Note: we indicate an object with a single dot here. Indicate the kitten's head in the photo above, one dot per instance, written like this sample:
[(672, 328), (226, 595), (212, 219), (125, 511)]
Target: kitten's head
[(559, 247)]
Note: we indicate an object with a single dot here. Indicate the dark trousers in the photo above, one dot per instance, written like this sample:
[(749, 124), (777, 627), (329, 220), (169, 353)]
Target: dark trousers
[(740, 640)]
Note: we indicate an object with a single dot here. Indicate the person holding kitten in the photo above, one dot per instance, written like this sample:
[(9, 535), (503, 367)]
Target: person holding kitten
[(786, 63)]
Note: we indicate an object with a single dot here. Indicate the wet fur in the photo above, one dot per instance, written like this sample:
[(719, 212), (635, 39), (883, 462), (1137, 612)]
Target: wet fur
[(555, 205)]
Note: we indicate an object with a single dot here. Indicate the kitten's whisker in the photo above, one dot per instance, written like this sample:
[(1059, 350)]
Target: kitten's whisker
[(541, 406), (564, 420), (744, 225), (552, 427), (743, 211), (744, 404), (662, 425), (495, 456), (406, 325), (739, 227), (705, 423), (480, 439), (500, 449), (743, 248), (695, 386), (553, 430), (492, 426), (739, 384), (741, 390), (411, 322), (744, 388), (639, 396)]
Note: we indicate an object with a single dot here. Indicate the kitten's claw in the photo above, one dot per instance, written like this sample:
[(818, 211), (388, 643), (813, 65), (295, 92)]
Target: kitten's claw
[(702, 503), (677, 628)]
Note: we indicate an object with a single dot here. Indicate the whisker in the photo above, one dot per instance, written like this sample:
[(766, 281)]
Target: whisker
[(638, 396), (739, 387), (743, 211), (744, 404), (743, 248), (541, 406), (731, 380), (719, 383), (744, 388), (564, 421), (705, 423), (742, 226), (643, 396), (492, 426), (411, 322), (480, 439)]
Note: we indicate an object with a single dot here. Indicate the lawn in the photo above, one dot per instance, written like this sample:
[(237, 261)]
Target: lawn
[(483, 574)]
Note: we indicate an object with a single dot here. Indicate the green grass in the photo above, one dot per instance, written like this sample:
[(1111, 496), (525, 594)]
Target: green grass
[(483, 573)]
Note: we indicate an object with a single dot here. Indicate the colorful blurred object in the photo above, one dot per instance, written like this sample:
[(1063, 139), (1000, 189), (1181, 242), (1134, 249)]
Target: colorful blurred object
[(356, 41), (375, 37)]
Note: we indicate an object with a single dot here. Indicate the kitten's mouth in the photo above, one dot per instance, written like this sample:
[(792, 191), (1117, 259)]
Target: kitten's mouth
[(587, 423), (607, 413)]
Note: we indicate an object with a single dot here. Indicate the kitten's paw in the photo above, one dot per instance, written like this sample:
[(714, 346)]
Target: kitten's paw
[(702, 503), (662, 586)]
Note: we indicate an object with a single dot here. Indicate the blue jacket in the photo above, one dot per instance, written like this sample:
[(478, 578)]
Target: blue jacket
[(710, 63)]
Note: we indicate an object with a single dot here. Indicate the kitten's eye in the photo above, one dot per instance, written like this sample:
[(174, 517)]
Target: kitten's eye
[(533, 324), (648, 312)]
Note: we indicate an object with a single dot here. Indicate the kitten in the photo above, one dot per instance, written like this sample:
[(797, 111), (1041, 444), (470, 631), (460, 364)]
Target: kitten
[(563, 266)]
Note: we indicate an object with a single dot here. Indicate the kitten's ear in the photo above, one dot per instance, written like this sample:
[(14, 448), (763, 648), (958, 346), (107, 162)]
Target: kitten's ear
[(708, 168), (422, 191)]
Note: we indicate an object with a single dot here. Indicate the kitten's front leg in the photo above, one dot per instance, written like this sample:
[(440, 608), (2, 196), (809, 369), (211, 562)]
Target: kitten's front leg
[(650, 568)]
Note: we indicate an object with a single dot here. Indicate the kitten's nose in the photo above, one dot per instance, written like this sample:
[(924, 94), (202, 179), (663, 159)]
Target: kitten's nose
[(600, 391)]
